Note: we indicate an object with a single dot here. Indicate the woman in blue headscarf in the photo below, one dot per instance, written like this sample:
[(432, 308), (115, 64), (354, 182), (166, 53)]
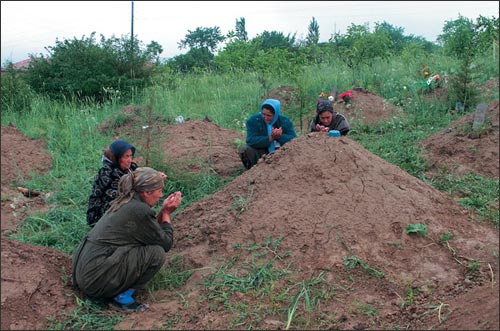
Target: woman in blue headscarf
[(266, 132)]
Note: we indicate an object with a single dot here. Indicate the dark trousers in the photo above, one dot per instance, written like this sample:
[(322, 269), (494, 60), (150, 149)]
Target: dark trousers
[(250, 156)]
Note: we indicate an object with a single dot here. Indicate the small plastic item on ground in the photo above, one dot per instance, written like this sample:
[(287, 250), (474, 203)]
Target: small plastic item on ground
[(179, 119), (433, 79), (334, 133)]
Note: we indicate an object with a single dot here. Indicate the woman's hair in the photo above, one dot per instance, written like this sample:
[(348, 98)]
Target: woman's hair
[(269, 107), (143, 179), (323, 106), (118, 148)]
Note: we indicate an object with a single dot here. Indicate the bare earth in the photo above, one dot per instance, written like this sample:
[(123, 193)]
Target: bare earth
[(326, 200)]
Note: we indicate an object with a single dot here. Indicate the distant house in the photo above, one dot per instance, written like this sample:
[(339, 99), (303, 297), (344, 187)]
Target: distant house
[(21, 65)]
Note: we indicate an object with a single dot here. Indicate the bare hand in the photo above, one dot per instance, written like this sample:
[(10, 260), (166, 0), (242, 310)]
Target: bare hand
[(321, 128), (172, 202), (276, 133)]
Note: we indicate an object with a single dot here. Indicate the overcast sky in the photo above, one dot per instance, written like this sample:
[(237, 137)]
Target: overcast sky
[(30, 26)]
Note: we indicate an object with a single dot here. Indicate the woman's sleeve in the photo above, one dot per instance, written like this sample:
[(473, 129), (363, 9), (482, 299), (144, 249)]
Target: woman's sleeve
[(98, 200), (342, 125), (255, 137), (150, 232), (312, 126), (288, 131)]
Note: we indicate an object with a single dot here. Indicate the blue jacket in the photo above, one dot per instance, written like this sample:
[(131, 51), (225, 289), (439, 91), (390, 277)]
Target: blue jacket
[(257, 131)]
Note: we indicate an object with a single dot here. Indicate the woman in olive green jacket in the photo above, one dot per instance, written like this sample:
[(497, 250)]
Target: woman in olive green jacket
[(127, 247)]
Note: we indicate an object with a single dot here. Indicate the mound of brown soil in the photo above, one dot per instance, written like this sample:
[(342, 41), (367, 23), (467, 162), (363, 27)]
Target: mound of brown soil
[(457, 148), (35, 286), (329, 202), (197, 145), (367, 108), (21, 158), (287, 95), (193, 146)]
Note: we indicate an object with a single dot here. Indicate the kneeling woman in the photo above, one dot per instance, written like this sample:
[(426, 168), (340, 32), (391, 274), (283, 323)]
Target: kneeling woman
[(327, 119), (127, 247)]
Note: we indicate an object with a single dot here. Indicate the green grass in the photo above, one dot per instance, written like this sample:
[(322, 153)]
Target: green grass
[(75, 147), (89, 315)]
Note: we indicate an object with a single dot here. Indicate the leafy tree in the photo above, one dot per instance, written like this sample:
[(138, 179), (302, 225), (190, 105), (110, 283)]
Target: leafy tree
[(262, 53), (487, 30), (85, 69), (269, 40), (395, 35), (460, 39), (202, 43), (236, 55), (195, 59), (241, 32), (359, 46), (277, 62), (427, 46), (154, 50), (356, 31), (207, 38), (16, 94), (313, 32)]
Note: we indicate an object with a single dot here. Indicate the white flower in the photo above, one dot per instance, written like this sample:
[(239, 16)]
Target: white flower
[(330, 98)]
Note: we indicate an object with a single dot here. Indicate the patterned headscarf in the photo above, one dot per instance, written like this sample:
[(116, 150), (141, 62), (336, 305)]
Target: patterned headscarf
[(143, 179)]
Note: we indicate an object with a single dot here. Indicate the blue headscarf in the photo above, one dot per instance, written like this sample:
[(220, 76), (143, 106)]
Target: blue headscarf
[(119, 147), (275, 104)]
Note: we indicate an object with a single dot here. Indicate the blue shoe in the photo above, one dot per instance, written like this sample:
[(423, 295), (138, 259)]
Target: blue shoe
[(125, 298)]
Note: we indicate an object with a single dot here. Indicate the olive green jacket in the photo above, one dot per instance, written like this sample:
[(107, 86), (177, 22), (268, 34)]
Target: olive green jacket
[(123, 250)]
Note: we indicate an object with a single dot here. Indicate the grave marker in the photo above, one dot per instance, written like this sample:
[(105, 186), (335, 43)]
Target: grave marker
[(479, 116)]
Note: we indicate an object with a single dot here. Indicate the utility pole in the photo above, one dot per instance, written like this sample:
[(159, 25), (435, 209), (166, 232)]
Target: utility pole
[(132, 24), (132, 71)]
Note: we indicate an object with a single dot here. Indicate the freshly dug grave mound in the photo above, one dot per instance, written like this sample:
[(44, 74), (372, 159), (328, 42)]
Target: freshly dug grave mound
[(459, 149), (339, 212), (200, 145)]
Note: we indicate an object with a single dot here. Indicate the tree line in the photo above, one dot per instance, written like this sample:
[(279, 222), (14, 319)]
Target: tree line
[(88, 69)]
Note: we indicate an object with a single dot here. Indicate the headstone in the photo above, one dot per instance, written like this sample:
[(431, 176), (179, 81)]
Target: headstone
[(334, 93), (479, 116)]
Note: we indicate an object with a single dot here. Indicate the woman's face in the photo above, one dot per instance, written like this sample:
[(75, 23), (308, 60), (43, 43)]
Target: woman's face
[(152, 198), (267, 115), (326, 118), (125, 160)]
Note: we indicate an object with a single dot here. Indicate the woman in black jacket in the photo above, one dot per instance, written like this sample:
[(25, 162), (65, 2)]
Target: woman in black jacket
[(117, 161)]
